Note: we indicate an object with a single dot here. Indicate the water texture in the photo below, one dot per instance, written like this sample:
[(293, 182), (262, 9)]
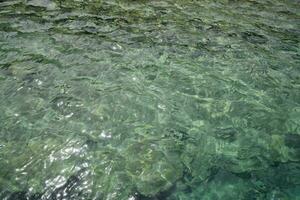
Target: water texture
[(149, 99)]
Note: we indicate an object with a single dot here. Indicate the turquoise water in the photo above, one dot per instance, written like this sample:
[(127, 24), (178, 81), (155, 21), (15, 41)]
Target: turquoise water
[(149, 100)]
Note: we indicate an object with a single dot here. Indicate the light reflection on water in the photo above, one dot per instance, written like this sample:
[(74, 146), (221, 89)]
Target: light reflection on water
[(148, 100)]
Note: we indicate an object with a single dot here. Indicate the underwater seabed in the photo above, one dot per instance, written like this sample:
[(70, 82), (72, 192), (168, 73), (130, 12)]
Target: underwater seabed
[(149, 100)]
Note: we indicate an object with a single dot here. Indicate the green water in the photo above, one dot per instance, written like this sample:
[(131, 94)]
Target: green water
[(149, 99)]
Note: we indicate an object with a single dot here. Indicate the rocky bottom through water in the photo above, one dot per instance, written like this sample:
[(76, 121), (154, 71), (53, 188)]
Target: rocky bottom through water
[(149, 100)]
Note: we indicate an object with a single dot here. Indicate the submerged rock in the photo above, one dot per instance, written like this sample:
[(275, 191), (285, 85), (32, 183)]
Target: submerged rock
[(151, 170), (292, 140), (226, 133), (254, 38)]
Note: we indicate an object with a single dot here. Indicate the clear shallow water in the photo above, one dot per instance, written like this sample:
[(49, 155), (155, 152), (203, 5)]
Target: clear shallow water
[(149, 100)]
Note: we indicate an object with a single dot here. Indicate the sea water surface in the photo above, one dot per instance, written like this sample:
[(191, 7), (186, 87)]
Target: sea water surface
[(149, 99)]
